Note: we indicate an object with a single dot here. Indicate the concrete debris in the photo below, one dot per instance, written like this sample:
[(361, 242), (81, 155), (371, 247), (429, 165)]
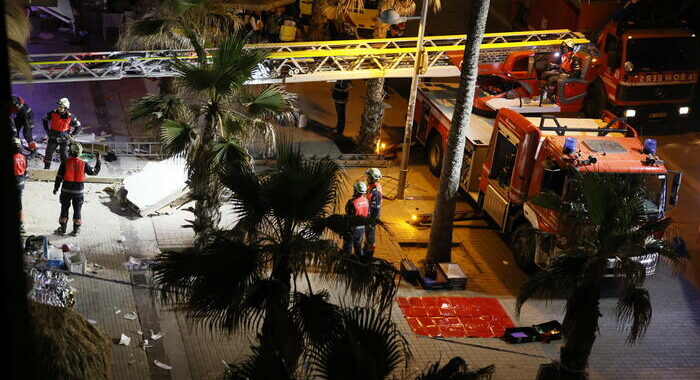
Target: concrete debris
[(156, 186), (156, 336), (146, 344), (130, 316), (162, 365), (125, 340), (118, 311), (92, 321), (138, 264), (121, 239)]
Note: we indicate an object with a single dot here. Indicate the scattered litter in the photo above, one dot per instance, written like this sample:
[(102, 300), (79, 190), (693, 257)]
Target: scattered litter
[(156, 336), (162, 365), (139, 332), (118, 311), (505, 262), (130, 316), (92, 321), (125, 340), (130, 362), (135, 263), (121, 239), (146, 345)]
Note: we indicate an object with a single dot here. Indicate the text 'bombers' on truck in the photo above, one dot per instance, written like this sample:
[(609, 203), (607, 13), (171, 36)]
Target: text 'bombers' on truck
[(510, 159)]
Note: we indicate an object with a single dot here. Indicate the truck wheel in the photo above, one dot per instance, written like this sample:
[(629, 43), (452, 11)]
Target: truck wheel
[(522, 244), (434, 154), (594, 103)]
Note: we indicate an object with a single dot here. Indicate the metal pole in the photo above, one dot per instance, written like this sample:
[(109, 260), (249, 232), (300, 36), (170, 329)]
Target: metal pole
[(408, 130)]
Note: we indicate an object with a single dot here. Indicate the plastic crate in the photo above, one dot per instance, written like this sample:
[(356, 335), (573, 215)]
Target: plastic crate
[(75, 262), (410, 272), (54, 256)]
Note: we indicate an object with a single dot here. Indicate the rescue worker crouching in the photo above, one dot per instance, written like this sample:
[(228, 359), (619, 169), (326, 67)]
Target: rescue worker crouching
[(358, 205), (20, 168), (569, 66), (24, 121), (58, 124), (374, 197), (71, 174)]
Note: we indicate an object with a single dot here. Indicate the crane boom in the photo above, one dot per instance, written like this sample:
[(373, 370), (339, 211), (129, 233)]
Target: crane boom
[(304, 61)]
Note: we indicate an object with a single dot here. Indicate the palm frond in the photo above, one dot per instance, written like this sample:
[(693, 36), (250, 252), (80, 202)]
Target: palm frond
[(211, 285), (227, 151), (266, 102), (368, 346), (549, 201), (261, 296), (634, 308), (561, 276), (369, 280), (247, 197), (455, 369), (317, 318), (155, 109), (154, 32), (177, 137), (263, 363)]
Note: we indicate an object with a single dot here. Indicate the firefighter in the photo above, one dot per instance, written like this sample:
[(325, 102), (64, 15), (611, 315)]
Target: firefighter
[(340, 92), (58, 124), (569, 66), (20, 166), (23, 120), (72, 174), (358, 206), (374, 197)]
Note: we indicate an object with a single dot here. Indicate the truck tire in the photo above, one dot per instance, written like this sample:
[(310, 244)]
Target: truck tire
[(434, 153), (594, 103), (522, 243)]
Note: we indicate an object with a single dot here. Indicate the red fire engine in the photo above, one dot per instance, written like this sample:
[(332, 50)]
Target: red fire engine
[(511, 158)]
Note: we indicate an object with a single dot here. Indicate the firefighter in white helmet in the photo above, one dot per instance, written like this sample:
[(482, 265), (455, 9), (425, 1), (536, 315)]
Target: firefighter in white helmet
[(569, 66), (358, 205), (60, 125)]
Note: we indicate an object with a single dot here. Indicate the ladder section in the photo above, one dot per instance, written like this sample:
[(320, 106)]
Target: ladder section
[(305, 61)]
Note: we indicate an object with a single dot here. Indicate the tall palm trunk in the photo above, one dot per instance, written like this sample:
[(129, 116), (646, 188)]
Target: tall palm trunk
[(440, 246), (318, 20), (373, 114), (580, 324), (204, 189)]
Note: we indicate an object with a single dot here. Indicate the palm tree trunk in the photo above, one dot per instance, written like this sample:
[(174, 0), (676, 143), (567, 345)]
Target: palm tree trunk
[(318, 20), (581, 324), (204, 187), (373, 114), (440, 246)]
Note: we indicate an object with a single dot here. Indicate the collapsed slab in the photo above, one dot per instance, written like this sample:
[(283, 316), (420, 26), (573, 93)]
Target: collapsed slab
[(157, 185)]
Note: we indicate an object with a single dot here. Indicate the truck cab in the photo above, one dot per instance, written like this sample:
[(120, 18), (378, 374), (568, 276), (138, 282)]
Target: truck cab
[(646, 73)]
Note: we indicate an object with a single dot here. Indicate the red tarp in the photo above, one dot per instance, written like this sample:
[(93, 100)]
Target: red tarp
[(455, 317)]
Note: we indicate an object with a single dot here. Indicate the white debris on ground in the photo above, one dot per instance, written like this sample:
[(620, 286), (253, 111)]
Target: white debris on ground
[(157, 184)]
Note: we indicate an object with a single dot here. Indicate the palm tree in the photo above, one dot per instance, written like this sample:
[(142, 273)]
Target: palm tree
[(440, 245), (373, 113), (455, 369), (609, 224), (246, 277), (166, 28), (220, 117)]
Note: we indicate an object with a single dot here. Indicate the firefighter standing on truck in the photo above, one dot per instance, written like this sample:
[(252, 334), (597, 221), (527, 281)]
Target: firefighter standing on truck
[(58, 124), (24, 121), (20, 167), (358, 205), (374, 197), (569, 66), (72, 174)]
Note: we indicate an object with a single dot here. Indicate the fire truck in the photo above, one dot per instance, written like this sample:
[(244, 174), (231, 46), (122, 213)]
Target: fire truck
[(640, 67), (511, 158)]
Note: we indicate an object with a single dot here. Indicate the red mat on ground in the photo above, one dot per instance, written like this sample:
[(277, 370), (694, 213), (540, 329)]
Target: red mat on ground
[(455, 317)]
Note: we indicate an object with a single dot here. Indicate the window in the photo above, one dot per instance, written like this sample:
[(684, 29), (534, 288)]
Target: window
[(553, 178), (612, 48), (503, 161)]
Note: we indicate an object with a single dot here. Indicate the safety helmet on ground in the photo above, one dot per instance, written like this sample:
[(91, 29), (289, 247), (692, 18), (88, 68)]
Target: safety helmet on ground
[(76, 149), (360, 187), (569, 43), (63, 102), (374, 173)]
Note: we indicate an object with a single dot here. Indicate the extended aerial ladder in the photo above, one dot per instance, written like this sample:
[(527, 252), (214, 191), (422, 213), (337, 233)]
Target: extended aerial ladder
[(305, 61)]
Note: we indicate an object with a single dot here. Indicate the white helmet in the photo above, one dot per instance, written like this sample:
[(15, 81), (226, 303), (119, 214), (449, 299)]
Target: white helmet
[(569, 43), (63, 102), (360, 187), (374, 173)]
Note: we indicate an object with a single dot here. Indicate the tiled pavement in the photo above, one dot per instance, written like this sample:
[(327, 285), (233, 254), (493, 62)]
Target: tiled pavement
[(668, 351)]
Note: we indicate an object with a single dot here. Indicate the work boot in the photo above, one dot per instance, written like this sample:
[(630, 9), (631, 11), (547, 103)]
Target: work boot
[(47, 165), (76, 230), (21, 228), (61, 230)]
